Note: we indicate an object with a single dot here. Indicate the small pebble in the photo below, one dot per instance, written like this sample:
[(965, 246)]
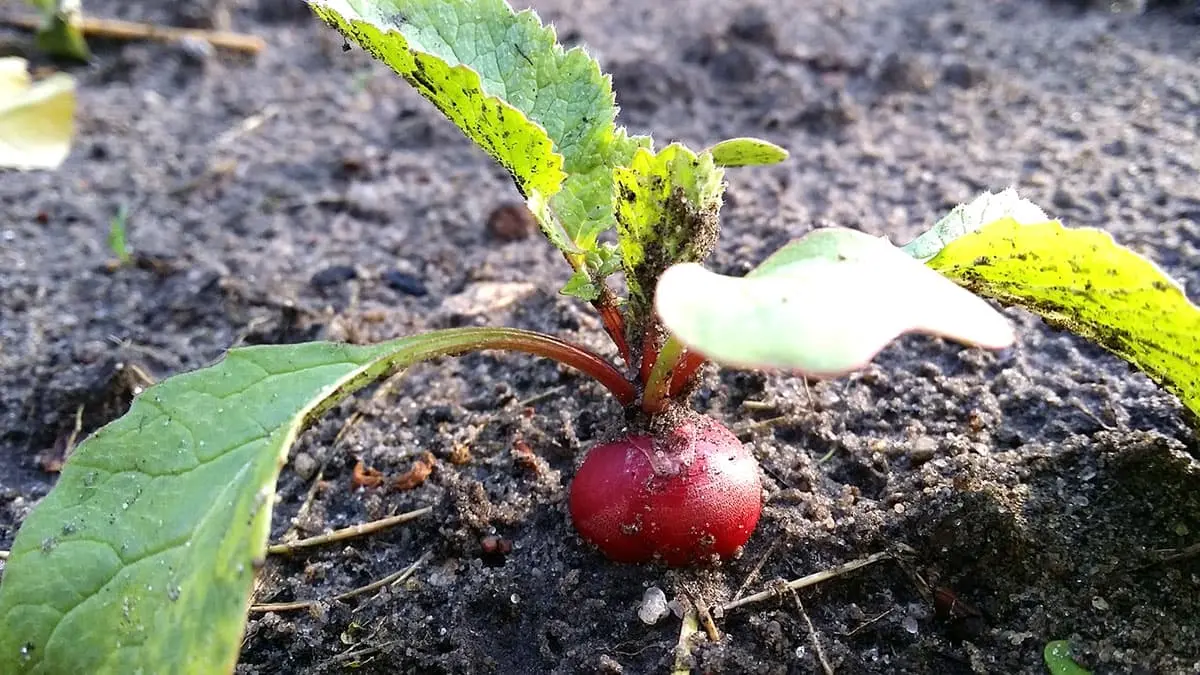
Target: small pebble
[(511, 222), (923, 449), (332, 276), (962, 75), (304, 465), (197, 50), (487, 297), (406, 283), (654, 606)]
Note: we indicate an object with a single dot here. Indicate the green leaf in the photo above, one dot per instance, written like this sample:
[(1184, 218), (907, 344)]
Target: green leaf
[(546, 114), (60, 34), (1057, 656), (823, 305), (667, 212), (581, 286), (142, 557), (36, 119), (966, 218), (747, 152), (1081, 280)]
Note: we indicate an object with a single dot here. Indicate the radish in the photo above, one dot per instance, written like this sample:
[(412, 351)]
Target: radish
[(689, 494), (678, 487)]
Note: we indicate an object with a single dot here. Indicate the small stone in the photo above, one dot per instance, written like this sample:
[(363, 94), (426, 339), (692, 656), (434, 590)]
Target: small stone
[(511, 222), (923, 449), (486, 297), (403, 282), (654, 606), (368, 200), (962, 75), (1100, 604), (1117, 148), (610, 666), (332, 276), (195, 49), (304, 465)]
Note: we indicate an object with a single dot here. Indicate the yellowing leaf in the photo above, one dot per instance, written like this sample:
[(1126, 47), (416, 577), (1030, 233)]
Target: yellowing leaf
[(543, 112), (823, 306), (1083, 281), (36, 119), (667, 207), (966, 218)]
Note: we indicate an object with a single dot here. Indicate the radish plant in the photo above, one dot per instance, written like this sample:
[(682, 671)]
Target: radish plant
[(142, 557)]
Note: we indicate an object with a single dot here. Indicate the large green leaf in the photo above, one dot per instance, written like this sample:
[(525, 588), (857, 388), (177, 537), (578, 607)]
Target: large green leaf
[(1081, 280), (545, 113), (823, 305), (667, 209), (142, 557)]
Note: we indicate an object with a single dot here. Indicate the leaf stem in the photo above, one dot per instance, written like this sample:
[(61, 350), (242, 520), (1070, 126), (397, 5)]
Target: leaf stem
[(607, 307), (457, 341), (688, 366), (662, 374), (614, 323)]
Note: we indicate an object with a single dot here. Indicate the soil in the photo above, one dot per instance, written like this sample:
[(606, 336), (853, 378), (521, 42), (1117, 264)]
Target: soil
[(310, 194)]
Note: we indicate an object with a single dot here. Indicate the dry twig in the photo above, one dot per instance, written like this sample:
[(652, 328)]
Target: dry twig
[(116, 29), (809, 580), (348, 532), (393, 579), (870, 621), (812, 634), (754, 572)]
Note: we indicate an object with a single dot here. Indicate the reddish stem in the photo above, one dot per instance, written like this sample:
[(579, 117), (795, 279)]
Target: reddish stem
[(614, 322), (455, 341), (686, 370)]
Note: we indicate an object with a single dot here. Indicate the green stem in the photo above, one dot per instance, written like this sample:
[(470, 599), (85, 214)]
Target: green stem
[(458, 341), (658, 385)]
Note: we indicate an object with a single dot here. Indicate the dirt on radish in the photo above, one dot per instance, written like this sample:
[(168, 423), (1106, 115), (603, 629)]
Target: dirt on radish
[(1044, 487)]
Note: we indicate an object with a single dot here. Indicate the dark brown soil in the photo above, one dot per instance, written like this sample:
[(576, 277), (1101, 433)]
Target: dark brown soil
[(311, 194)]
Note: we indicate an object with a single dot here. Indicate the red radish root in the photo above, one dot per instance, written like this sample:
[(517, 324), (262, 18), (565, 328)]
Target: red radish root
[(689, 495)]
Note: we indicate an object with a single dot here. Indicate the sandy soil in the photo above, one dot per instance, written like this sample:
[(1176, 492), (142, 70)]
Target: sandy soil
[(311, 194)]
